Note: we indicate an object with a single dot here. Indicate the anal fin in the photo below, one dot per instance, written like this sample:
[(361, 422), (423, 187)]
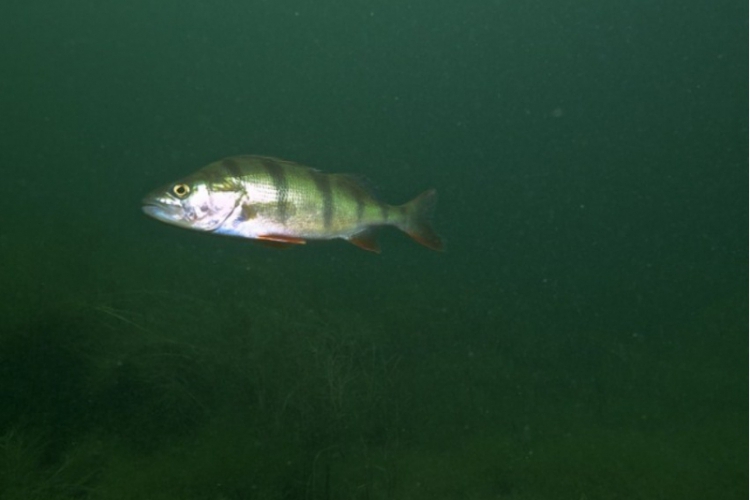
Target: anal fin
[(365, 240)]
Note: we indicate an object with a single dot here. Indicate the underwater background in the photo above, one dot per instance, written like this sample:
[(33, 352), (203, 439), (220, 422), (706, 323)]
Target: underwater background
[(584, 336)]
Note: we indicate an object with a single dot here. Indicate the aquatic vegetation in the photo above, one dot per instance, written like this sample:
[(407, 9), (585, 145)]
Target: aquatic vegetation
[(27, 473), (275, 394)]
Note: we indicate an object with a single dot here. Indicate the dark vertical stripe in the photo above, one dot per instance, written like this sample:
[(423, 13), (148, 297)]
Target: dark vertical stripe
[(323, 184), (352, 190), (232, 167), (383, 211), (359, 195), (403, 211), (276, 171)]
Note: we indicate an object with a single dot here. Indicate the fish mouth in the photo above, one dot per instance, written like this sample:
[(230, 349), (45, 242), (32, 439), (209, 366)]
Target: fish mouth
[(158, 212), (165, 212)]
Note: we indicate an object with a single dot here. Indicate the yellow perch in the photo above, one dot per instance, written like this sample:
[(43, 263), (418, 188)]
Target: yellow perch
[(283, 203)]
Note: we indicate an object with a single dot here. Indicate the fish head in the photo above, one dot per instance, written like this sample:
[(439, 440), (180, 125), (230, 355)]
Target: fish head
[(193, 203)]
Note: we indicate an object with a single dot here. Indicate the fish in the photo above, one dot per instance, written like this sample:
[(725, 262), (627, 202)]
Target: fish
[(284, 204)]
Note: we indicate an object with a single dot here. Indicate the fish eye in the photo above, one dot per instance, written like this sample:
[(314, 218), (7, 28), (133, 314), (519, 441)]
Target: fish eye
[(181, 190)]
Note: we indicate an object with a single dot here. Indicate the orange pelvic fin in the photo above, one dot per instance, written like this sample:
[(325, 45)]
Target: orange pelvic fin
[(274, 244), (280, 238), (418, 217)]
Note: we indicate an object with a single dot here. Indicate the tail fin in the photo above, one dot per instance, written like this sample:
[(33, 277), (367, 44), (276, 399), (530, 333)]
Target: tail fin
[(418, 217)]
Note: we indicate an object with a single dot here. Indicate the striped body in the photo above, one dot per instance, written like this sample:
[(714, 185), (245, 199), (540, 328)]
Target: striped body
[(282, 202)]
